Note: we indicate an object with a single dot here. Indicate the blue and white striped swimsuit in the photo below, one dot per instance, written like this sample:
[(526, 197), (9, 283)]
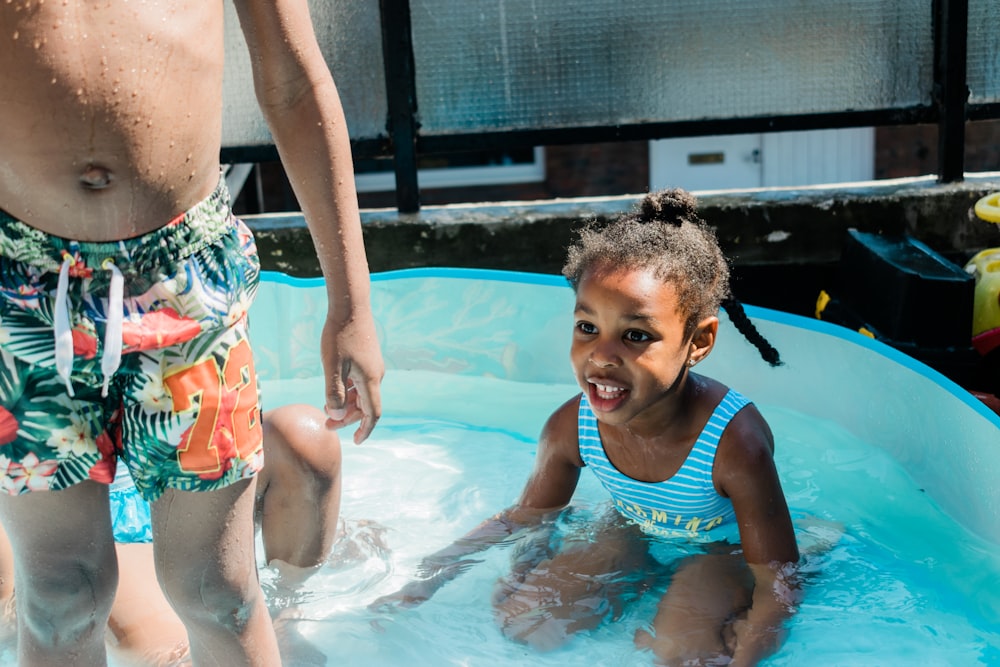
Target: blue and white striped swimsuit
[(686, 505)]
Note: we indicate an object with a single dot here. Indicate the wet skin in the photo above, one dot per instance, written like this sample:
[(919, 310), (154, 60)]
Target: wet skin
[(630, 353), (99, 142)]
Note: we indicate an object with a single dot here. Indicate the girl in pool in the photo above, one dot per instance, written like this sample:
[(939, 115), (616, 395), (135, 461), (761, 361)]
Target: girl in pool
[(688, 463)]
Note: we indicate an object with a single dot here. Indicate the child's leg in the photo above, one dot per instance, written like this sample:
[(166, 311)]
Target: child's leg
[(704, 595), (298, 491), (574, 590), (65, 573), (143, 630), (204, 551)]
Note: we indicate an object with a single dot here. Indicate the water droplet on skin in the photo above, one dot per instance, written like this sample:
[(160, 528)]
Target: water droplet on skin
[(16, 35)]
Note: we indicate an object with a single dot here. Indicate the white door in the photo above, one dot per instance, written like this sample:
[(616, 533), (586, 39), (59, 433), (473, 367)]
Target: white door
[(706, 163), (777, 159)]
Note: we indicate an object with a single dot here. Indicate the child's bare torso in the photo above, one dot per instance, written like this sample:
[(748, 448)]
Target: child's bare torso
[(110, 112)]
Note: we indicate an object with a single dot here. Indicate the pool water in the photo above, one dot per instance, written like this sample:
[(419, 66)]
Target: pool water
[(903, 584), (897, 459)]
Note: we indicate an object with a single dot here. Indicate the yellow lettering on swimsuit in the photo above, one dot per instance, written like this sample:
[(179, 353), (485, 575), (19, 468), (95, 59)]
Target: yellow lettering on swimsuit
[(713, 523)]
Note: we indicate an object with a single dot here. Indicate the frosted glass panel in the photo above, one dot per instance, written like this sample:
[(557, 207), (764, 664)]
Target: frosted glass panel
[(349, 34), (509, 64), (983, 72)]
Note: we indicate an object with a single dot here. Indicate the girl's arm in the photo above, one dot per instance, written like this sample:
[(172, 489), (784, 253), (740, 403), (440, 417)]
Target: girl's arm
[(745, 472), (549, 488)]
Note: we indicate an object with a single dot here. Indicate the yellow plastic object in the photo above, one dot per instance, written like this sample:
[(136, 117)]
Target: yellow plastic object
[(985, 267), (822, 301), (988, 208)]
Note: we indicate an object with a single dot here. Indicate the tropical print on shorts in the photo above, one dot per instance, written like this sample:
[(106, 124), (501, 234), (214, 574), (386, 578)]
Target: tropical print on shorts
[(182, 404)]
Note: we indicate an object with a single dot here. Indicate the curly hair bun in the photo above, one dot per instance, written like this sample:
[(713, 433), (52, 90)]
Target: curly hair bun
[(672, 206)]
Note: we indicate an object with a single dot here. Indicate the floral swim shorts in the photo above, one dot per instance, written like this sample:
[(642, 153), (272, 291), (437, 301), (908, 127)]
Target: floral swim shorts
[(135, 349)]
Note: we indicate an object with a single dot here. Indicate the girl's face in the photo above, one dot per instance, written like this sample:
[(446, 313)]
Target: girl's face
[(629, 350)]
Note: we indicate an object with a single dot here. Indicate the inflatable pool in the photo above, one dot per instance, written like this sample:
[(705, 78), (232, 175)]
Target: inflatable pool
[(902, 458)]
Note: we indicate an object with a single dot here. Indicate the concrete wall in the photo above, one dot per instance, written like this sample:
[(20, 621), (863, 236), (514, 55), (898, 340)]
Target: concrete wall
[(784, 244)]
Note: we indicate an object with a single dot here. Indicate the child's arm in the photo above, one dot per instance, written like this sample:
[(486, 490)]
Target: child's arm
[(301, 104), (746, 473), (549, 488), (442, 566)]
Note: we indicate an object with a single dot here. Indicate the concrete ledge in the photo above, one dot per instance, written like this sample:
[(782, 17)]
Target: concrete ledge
[(757, 228), (784, 244)]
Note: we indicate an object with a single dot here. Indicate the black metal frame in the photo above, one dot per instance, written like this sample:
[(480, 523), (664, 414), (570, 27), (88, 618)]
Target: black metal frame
[(949, 110)]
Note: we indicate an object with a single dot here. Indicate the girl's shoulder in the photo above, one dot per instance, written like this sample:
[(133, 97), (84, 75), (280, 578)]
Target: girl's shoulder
[(560, 432), (747, 436), (746, 430)]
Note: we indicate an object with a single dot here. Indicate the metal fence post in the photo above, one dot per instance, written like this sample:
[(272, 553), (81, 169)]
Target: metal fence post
[(401, 96)]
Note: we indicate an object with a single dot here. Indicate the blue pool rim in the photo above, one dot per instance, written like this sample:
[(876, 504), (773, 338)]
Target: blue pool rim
[(756, 312)]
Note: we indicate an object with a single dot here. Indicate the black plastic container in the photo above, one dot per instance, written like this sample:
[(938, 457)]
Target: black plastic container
[(904, 294), (905, 291)]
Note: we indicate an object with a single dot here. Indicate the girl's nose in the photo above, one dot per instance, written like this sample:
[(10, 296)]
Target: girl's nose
[(603, 356)]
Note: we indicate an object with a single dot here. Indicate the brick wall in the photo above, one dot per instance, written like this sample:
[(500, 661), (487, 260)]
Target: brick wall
[(912, 150)]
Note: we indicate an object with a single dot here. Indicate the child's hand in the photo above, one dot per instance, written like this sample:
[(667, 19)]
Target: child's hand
[(353, 367), (411, 595), (349, 414), (421, 590)]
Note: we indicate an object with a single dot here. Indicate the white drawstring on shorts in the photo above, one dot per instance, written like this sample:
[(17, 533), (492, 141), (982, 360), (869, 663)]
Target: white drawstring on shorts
[(61, 326), (112, 357), (63, 332)]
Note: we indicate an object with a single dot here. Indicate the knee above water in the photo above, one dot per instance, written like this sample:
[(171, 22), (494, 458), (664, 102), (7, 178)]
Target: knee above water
[(215, 600), (62, 608)]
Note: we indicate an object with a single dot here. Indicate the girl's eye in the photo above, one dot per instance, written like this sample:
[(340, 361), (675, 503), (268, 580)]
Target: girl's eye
[(634, 336), (586, 328)]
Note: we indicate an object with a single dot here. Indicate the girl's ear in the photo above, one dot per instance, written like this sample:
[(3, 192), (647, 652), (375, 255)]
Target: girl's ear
[(703, 338)]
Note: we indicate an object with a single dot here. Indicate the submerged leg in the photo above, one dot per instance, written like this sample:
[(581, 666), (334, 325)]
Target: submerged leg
[(705, 595), (574, 590)]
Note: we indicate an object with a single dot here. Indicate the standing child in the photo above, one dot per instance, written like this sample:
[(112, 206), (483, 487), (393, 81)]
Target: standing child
[(297, 514), (688, 462), (124, 285)]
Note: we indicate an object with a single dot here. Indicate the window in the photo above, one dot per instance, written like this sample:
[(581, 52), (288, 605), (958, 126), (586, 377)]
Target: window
[(455, 170)]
